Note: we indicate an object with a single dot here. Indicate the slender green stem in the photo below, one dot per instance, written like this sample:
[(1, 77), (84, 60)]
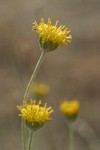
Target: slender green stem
[(33, 75), (27, 93), (23, 134), (71, 136), (30, 139)]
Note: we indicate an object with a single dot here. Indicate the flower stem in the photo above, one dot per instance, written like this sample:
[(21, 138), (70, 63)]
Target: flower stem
[(23, 134), (30, 140), (27, 93), (71, 136), (34, 75)]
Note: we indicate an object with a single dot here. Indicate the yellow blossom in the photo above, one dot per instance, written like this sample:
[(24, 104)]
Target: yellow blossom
[(40, 89), (50, 35), (35, 114), (70, 108)]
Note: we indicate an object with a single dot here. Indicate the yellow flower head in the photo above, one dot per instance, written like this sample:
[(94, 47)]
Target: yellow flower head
[(35, 114), (50, 35), (70, 108), (40, 89)]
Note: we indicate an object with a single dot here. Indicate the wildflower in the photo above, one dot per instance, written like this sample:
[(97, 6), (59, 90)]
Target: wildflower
[(40, 89), (35, 115), (50, 35), (70, 108)]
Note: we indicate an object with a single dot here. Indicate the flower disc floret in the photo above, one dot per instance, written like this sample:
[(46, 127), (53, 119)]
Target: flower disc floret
[(35, 114), (70, 108), (52, 35), (40, 89)]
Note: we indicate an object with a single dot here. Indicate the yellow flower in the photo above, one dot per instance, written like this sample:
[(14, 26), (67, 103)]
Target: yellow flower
[(40, 89), (35, 115), (70, 108), (50, 35)]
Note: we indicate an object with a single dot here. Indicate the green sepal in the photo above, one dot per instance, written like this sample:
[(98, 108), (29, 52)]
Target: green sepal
[(47, 46), (71, 118), (34, 126)]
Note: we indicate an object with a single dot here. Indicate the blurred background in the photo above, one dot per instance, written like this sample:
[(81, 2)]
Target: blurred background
[(72, 72)]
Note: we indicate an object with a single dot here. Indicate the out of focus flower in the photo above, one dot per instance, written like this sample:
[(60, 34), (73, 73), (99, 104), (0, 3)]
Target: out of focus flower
[(40, 90), (35, 115), (50, 35), (70, 108)]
